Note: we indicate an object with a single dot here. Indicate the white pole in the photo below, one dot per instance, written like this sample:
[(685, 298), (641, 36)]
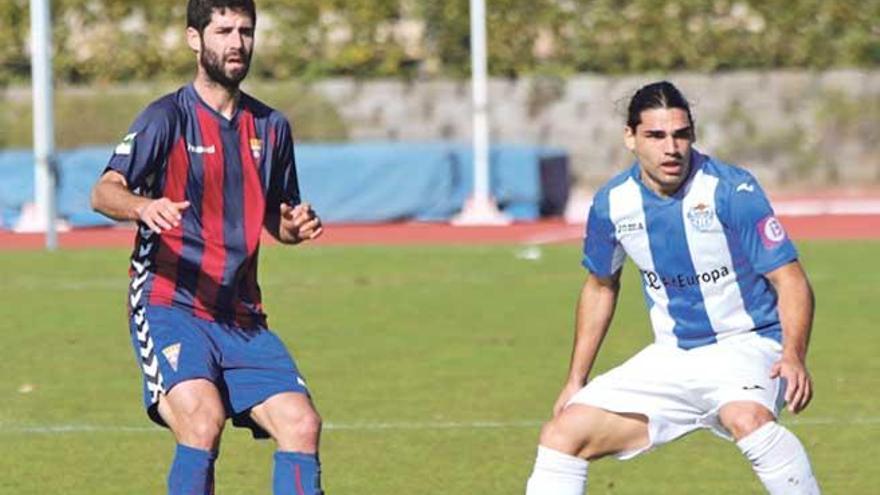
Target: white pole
[(480, 209), (480, 101), (44, 142)]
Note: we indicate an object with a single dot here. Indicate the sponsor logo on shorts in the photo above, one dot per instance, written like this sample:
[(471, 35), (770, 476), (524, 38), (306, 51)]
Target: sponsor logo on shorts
[(701, 216), (753, 387), (683, 281), (172, 353), (771, 232)]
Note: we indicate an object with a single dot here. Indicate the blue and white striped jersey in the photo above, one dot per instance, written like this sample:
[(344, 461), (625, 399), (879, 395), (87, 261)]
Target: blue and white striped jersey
[(702, 253)]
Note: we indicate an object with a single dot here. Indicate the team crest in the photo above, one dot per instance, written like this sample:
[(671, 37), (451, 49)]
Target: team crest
[(701, 217), (256, 147), (172, 352)]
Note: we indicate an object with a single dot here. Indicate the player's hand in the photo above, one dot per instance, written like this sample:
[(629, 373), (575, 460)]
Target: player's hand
[(567, 392), (799, 385), (300, 222), (161, 214)]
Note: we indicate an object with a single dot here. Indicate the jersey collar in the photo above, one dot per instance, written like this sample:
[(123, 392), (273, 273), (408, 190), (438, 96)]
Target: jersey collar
[(221, 119)]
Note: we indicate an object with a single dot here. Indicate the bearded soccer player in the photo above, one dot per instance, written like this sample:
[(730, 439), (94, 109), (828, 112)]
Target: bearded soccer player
[(730, 306), (202, 171)]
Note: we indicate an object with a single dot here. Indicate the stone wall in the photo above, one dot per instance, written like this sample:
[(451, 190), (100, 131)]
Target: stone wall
[(792, 128), (789, 127)]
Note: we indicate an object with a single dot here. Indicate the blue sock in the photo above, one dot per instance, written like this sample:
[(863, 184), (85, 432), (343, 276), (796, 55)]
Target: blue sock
[(296, 474), (192, 472)]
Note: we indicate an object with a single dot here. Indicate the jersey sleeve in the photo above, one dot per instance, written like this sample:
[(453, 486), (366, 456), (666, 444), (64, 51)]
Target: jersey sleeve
[(603, 255), (761, 235), (145, 147), (283, 183)]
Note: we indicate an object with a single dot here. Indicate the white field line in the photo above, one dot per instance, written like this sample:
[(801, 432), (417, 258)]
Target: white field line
[(6, 428)]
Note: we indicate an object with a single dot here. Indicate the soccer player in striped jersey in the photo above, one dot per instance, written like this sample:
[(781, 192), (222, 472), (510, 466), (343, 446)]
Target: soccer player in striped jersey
[(729, 303), (203, 171)]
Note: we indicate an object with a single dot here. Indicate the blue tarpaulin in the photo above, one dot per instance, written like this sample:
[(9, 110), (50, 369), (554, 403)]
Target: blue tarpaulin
[(346, 182)]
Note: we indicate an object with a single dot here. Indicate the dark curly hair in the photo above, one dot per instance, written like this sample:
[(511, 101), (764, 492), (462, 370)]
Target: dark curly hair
[(198, 12)]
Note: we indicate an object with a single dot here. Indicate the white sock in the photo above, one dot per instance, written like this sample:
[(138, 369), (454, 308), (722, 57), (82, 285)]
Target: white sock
[(556, 473), (779, 460)]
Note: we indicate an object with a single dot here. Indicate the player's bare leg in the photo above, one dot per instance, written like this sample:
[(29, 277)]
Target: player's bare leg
[(742, 417), (578, 434), (590, 432), (291, 420), (195, 413), (777, 456), (294, 424)]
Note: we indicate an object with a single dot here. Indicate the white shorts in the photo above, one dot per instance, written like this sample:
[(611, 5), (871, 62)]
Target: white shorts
[(680, 391)]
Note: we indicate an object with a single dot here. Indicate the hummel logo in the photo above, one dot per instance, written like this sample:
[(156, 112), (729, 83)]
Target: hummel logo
[(200, 149), (745, 186), (752, 387), (124, 148)]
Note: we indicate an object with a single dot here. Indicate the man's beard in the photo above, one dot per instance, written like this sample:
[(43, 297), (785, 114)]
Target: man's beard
[(213, 65)]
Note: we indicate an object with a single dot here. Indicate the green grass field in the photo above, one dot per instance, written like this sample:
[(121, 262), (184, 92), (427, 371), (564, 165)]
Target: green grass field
[(432, 367)]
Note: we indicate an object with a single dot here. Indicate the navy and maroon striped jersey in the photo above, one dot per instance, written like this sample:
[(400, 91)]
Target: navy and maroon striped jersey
[(232, 171)]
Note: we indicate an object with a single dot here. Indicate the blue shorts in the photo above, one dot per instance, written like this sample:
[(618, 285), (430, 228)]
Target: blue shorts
[(248, 365)]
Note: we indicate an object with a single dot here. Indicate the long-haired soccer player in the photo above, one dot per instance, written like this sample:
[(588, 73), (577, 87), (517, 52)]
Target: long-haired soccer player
[(730, 307)]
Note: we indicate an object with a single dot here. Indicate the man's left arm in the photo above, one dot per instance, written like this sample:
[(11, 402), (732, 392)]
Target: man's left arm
[(287, 219), (795, 306)]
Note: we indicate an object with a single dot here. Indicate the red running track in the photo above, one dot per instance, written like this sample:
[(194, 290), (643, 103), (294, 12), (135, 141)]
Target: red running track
[(541, 232)]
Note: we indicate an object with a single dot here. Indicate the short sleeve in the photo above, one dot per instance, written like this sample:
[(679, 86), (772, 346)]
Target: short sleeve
[(760, 233), (145, 147), (602, 254), (283, 183)]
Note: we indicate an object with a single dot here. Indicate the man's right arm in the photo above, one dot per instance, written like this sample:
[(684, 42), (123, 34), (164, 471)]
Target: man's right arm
[(595, 310), (111, 197)]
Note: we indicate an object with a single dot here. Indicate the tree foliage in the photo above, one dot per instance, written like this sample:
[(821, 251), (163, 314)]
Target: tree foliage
[(120, 40)]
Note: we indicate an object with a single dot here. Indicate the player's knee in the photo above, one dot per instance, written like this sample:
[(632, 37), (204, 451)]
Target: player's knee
[(300, 427), (549, 435), (555, 436), (746, 420), (202, 431), (308, 425)]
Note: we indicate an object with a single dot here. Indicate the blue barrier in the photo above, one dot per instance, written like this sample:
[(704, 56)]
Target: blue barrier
[(346, 182)]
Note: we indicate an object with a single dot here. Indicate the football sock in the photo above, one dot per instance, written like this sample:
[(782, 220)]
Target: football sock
[(192, 472), (556, 473), (779, 460), (296, 474)]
